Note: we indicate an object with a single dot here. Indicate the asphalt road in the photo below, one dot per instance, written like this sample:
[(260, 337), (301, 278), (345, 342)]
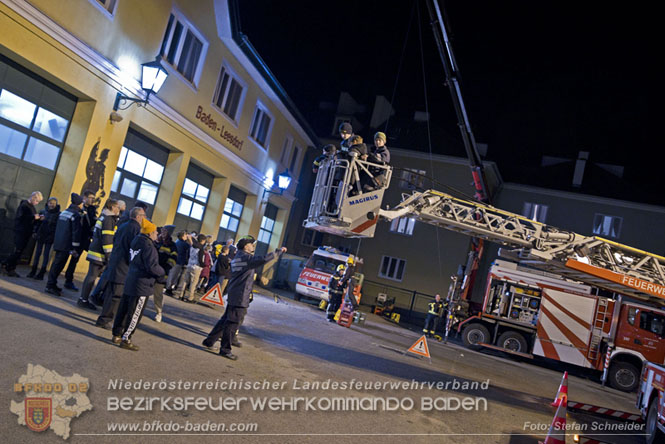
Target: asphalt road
[(286, 345)]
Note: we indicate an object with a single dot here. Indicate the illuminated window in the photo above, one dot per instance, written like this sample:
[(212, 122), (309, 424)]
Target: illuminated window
[(29, 132), (535, 211), (193, 199), (403, 225), (609, 226), (233, 208)]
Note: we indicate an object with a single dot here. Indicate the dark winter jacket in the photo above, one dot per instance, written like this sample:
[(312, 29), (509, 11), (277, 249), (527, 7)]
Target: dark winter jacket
[(88, 219), (119, 260), (102, 238), (223, 266), (45, 229), (24, 219), (379, 155), (144, 267), (242, 276), (167, 254), (68, 230), (182, 248)]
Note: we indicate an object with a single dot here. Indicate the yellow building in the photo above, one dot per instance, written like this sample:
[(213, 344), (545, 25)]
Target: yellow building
[(200, 153)]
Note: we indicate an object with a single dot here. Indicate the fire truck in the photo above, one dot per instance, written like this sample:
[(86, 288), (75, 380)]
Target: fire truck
[(528, 313), (318, 270), (651, 402)]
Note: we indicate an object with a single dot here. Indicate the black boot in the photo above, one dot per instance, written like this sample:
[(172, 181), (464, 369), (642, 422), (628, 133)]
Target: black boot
[(40, 275), (32, 273)]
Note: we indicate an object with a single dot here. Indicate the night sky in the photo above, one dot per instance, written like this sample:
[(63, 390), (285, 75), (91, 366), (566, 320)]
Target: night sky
[(538, 78)]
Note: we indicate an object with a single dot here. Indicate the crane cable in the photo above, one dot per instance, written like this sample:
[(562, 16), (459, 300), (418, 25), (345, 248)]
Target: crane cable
[(399, 67), (429, 134)]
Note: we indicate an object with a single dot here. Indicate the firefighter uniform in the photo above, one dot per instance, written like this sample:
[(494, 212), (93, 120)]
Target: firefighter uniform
[(99, 251), (435, 309), (336, 290)]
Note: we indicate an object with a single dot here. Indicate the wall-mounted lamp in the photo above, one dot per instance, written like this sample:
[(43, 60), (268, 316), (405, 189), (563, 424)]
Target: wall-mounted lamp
[(283, 182), (153, 76)]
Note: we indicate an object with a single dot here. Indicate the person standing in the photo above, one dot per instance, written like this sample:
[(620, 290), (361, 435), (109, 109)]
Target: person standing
[(223, 269), (434, 310), (143, 270), (190, 276), (204, 279), (167, 258), (88, 219), (99, 250), (239, 290), (116, 271), (182, 246), (45, 234), (66, 243), (336, 288), (379, 154), (231, 243), (26, 215)]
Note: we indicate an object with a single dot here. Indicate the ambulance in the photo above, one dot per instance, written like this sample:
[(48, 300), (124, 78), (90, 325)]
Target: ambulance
[(319, 269)]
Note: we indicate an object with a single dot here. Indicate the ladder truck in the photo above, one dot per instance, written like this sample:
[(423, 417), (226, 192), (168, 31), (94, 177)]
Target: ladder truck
[(593, 304)]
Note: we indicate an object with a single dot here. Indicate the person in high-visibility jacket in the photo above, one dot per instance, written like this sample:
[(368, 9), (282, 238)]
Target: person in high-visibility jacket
[(435, 308), (336, 288), (100, 249)]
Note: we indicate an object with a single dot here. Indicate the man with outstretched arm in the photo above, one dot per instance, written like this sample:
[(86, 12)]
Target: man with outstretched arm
[(239, 290)]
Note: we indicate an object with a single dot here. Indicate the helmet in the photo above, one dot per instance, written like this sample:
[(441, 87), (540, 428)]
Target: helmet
[(341, 267), (329, 149), (350, 260)]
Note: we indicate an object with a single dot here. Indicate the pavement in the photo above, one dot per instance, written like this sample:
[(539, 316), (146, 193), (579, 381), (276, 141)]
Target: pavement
[(359, 383)]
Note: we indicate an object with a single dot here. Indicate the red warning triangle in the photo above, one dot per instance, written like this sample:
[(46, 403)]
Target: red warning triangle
[(214, 296), (420, 347)]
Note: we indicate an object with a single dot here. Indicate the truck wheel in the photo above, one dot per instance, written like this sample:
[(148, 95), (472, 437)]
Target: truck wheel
[(513, 341), (474, 334), (624, 376), (654, 435)]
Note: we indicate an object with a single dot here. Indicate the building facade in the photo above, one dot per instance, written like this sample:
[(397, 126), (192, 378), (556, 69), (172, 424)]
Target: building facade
[(201, 153)]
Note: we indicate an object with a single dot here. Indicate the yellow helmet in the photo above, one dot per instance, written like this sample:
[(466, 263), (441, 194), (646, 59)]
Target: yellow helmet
[(350, 260), (341, 267)]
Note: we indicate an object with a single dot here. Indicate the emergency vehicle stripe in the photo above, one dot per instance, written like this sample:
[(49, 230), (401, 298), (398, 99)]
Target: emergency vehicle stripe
[(566, 311), (365, 225), (563, 329), (546, 343), (135, 318)]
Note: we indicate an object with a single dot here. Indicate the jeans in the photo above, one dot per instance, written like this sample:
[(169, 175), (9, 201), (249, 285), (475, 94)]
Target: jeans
[(46, 249)]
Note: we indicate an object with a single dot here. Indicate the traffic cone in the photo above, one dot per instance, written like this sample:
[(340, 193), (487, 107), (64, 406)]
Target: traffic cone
[(557, 432), (563, 391)]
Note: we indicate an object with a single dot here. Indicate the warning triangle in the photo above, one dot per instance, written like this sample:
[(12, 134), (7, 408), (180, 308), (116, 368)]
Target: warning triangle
[(214, 296), (420, 347)]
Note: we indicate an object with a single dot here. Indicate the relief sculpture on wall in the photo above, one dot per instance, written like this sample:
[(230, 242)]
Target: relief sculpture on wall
[(94, 172)]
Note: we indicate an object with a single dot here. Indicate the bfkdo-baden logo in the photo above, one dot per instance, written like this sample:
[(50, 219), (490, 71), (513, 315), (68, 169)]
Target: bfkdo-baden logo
[(50, 401), (38, 413)]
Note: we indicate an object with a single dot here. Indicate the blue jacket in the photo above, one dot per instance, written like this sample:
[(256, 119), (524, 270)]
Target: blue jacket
[(144, 267), (242, 276), (68, 230), (119, 260), (182, 247)]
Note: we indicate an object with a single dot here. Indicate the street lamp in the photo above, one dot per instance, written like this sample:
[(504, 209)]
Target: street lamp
[(153, 76), (283, 182)]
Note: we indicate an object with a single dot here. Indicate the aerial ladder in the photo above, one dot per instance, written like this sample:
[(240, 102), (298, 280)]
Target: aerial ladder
[(588, 259)]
